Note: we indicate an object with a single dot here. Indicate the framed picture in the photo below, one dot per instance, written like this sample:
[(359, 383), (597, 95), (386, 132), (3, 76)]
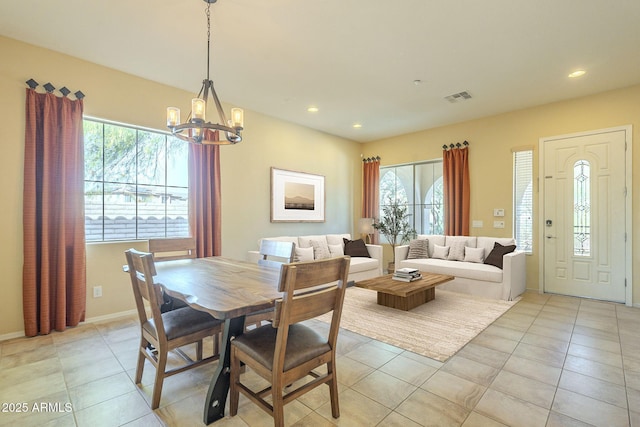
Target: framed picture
[(296, 196)]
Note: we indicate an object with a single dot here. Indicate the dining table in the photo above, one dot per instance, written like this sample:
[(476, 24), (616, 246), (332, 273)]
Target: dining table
[(229, 290)]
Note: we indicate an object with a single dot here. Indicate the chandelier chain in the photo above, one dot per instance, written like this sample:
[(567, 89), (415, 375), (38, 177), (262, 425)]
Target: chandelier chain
[(208, 37)]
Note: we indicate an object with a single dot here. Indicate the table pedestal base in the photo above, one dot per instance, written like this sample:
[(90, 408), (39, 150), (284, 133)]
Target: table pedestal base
[(408, 302)]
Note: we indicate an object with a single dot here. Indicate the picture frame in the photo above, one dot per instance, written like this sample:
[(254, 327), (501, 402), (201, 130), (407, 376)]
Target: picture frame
[(297, 196)]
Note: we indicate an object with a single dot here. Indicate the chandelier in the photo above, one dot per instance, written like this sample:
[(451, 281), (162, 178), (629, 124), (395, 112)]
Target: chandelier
[(196, 129)]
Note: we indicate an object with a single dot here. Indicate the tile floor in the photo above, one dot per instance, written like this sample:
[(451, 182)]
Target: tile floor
[(548, 361)]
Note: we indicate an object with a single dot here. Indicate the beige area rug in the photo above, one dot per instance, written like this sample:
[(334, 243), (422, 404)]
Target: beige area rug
[(437, 329)]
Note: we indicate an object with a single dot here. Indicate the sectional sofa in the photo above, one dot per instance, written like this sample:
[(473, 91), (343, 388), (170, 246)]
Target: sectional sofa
[(503, 277), (366, 260)]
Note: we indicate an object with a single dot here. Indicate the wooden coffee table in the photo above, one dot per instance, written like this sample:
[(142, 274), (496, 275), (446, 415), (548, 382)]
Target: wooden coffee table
[(404, 295)]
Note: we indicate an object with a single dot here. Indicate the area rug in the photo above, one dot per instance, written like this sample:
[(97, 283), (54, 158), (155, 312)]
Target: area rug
[(437, 329)]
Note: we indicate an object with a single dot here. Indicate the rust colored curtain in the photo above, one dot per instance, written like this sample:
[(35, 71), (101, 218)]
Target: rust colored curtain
[(54, 269), (205, 199), (371, 191), (455, 170)]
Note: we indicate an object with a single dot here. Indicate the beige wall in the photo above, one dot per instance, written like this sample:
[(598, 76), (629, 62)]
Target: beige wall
[(268, 142), (125, 98), (492, 140)]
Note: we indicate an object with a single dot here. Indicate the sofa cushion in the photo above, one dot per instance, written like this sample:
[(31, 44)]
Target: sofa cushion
[(336, 250), (469, 270), (440, 252), (355, 248), (495, 257), (456, 250), (473, 254), (488, 242), (359, 264), (319, 245), (470, 241), (418, 248), (303, 254), (337, 239), (434, 239)]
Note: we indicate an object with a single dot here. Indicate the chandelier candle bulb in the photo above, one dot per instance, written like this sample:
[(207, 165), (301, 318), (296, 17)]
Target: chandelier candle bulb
[(198, 107), (237, 117), (173, 116)]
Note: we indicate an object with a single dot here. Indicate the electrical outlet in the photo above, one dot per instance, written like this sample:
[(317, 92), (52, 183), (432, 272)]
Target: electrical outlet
[(498, 224), (97, 291)]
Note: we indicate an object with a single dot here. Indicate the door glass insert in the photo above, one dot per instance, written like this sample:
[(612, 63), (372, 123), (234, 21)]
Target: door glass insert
[(581, 208)]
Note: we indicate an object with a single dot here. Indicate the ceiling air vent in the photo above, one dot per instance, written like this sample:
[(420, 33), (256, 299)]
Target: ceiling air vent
[(460, 96)]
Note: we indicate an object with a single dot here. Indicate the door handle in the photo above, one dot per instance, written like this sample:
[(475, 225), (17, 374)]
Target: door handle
[(551, 237)]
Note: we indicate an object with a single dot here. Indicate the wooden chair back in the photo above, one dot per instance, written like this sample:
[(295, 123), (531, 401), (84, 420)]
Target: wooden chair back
[(141, 270), (173, 248), (274, 253)]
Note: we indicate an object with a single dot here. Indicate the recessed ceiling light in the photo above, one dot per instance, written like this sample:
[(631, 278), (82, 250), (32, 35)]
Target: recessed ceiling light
[(577, 73), (357, 125), (312, 109)]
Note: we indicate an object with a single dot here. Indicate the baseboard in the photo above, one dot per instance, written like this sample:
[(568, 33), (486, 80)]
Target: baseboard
[(96, 319)]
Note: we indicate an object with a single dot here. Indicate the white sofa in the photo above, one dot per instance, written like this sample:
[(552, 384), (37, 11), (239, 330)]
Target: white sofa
[(360, 268), (474, 278)]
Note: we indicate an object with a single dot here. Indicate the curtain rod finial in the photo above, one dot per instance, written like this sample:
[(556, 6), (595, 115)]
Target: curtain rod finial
[(32, 83), (79, 95), (49, 87)]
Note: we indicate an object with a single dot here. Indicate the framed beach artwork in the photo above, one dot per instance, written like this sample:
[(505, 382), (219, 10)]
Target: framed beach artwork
[(296, 196)]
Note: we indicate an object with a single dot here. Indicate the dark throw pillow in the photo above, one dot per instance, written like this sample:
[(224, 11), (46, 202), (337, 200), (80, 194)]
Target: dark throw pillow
[(495, 256), (355, 248)]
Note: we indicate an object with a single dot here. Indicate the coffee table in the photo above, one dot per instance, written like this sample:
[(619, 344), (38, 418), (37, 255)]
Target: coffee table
[(404, 295)]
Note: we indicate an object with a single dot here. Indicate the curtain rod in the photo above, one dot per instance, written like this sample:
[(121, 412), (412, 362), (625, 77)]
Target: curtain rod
[(50, 88), (371, 159), (457, 145)]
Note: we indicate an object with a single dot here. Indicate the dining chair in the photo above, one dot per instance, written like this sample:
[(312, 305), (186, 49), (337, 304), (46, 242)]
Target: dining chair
[(172, 248), (286, 350), (273, 254), (165, 331)]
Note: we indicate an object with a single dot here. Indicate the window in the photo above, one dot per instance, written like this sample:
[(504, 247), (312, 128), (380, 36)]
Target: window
[(581, 208), (420, 187), (136, 183), (523, 199)]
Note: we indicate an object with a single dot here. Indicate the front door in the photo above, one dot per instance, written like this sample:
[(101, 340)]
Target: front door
[(584, 215)]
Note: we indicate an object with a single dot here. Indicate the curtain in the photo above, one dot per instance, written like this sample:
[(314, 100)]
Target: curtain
[(205, 199), (456, 191), (371, 191), (54, 268)]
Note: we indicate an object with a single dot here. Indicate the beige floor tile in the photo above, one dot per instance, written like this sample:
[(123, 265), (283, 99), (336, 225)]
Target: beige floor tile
[(595, 354), (524, 388), (634, 418), (603, 324), (510, 410), (554, 333), (351, 371), (98, 391), (560, 420), (631, 362), (256, 417), (117, 411), (485, 355), (189, 412), (600, 344), (478, 373), (21, 345), (455, 389), (394, 419), (149, 420), (50, 409), (594, 369), (589, 410), (371, 355), (503, 332), (550, 357), (355, 410), (533, 369), (633, 397), (422, 359), (478, 420), (427, 409), (408, 370), (384, 388), (597, 333), (593, 387), (78, 373), (556, 318), (495, 342), (27, 356), (632, 379), (313, 420), (545, 342)]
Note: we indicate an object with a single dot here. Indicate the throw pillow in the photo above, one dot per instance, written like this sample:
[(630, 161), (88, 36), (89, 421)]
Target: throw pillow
[(440, 252), (456, 251), (418, 249), (303, 254), (320, 248), (336, 250), (355, 248), (473, 254), (495, 256)]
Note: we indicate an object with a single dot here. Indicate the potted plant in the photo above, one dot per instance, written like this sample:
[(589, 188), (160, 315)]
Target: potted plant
[(395, 227)]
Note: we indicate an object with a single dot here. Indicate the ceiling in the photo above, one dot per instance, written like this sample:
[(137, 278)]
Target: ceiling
[(355, 60)]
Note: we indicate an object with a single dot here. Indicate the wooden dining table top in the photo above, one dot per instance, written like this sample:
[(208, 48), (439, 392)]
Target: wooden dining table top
[(224, 287)]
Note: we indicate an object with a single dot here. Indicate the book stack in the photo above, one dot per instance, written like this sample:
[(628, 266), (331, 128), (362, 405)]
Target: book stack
[(407, 274)]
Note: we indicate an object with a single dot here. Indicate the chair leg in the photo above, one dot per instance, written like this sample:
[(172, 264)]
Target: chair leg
[(157, 384), (333, 391), (278, 405), (234, 392), (199, 350), (141, 358)]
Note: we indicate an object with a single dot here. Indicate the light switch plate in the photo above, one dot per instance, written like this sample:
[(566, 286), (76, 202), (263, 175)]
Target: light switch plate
[(477, 224), (498, 212)]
